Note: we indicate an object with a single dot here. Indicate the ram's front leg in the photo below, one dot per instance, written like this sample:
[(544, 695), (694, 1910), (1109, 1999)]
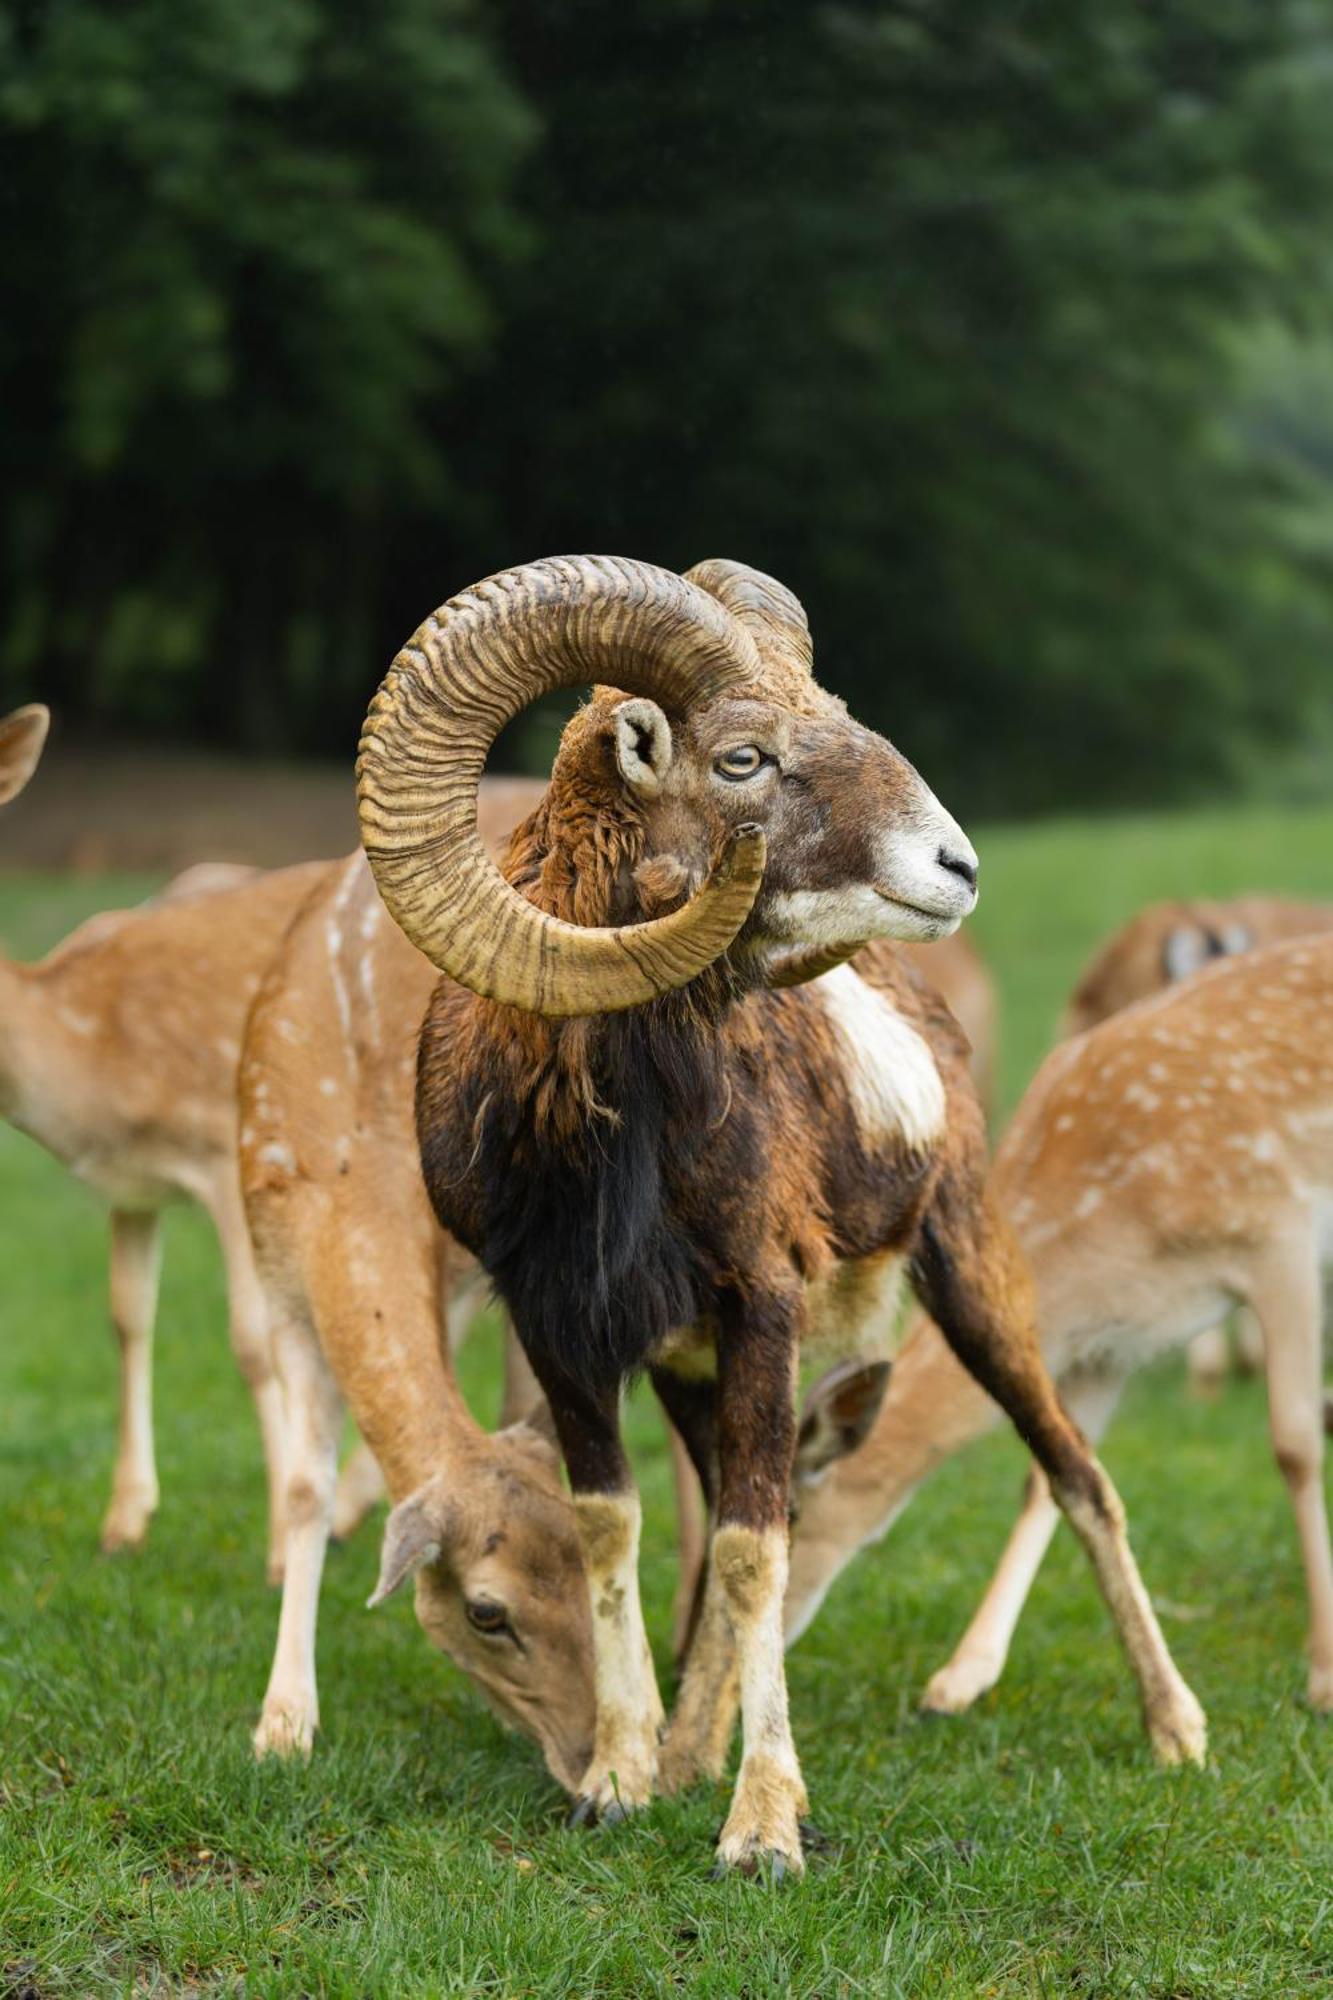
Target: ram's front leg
[(623, 1769), (757, 1353)]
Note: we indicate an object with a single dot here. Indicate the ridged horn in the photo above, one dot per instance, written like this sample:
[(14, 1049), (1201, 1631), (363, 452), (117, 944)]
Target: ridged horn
[(775, 618), (798, 968), (469, 669)]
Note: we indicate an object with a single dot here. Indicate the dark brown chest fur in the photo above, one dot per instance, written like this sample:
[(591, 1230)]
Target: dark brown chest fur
[(620, 1179)]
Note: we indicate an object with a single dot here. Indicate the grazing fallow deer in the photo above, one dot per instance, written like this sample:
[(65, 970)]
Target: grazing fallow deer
[(118, 1054), (1168, 942), (1168, 1165), (1163, 944), (360, 1281)]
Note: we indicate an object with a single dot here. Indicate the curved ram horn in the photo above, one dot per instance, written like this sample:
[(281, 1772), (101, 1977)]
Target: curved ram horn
[(775, 618), (474, 664), (798, 968)]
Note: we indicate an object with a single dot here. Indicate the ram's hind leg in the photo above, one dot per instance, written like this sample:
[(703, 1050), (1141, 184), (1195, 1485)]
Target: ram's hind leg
[(703, 1720), (975, 1283)]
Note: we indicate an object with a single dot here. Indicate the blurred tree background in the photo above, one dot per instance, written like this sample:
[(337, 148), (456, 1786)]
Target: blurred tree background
[(1000, 331)]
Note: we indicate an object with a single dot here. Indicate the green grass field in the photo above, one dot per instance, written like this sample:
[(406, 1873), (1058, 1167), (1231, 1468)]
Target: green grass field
[(1030, 1849)]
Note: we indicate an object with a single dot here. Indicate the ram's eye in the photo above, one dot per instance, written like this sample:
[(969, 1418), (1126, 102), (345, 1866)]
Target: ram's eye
[(745, 761), (484, 1615)]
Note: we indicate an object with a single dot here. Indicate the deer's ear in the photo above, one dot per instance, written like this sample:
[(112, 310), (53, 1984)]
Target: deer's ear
[(838, 1414), (1186, 950), (22, 735), (540, 1421), (417, 1531)]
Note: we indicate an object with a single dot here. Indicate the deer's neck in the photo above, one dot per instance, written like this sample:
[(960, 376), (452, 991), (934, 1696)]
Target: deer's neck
[(387, 1349), (423, 1428)]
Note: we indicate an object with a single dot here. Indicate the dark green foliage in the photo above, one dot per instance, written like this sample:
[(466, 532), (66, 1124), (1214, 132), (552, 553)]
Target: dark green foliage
[(252, 250), (948, 312)]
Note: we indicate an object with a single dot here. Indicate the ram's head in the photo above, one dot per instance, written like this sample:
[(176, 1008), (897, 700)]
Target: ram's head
[(711, 799)]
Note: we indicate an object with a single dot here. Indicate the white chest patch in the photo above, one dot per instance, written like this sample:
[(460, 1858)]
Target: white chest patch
[(891, 1074)]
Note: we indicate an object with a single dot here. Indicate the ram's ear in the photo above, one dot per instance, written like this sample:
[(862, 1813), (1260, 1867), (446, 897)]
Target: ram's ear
[(418, 1530), (643, 745), (22, 735), (838, 1415)]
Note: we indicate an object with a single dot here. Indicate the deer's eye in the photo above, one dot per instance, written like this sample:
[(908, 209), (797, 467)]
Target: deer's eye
[(485, 1615), (745, 761)]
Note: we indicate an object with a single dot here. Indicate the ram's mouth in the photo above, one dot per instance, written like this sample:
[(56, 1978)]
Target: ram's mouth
[(921, 910)]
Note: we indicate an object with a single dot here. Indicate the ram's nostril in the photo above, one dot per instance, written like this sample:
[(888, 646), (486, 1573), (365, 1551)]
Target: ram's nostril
[(958, 865)]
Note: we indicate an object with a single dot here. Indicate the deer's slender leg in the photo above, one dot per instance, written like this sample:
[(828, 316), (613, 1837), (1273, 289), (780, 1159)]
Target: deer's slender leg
[(522, 1391), (691, 1541), (976, 1285), (1208, 1359), (623, 1769), (252, 1347), (978, 1659), (290, 1714), (136, 1262), (360, 1486), (691, 1408), (1287, 1298), (703, 1720), (1235, 1346)]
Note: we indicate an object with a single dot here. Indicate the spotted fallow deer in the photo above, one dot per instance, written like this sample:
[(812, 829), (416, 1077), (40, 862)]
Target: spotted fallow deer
[(118, 1054), (1165, 1166), (1162, 945), (360, 1282), (671, 1132)]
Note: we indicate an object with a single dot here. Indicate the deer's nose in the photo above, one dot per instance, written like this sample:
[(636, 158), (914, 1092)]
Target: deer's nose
[(964, 866)]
